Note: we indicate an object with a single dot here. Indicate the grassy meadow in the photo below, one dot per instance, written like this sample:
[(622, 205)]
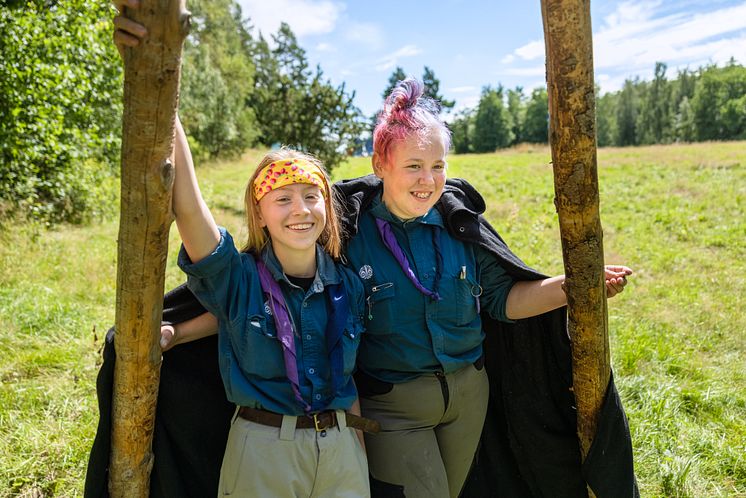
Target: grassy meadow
[(675, 214)]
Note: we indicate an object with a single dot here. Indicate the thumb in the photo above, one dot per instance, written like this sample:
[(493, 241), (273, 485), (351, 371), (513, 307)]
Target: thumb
[(167, 336)]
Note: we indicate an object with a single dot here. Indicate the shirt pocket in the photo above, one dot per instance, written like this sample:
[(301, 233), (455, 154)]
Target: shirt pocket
[(460, 300), (379, 308), (258, 349), (350, 343)]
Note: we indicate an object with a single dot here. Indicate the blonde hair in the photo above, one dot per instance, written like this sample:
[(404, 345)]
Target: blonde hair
[(330, 238)]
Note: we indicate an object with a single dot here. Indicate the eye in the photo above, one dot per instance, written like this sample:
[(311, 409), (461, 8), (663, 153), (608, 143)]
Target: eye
[(413, 166), (441, 166), (312, 197)]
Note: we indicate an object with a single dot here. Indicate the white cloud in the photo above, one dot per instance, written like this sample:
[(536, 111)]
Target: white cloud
[(368, 34), (531, 51), (389, 61), (508, 59), (636, 36), (462, 89), (326, 47), (305, 17), (525, 71)]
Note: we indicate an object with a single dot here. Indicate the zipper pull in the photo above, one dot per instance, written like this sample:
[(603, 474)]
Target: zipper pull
[(370, 308)]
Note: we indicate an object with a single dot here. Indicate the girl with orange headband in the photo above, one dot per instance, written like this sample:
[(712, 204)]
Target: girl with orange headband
[(289, 319)]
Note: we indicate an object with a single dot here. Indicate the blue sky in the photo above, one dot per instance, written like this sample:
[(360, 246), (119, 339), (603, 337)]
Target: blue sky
[(473, 43)]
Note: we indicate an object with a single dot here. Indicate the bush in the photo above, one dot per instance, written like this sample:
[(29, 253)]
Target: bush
[(60, 80)]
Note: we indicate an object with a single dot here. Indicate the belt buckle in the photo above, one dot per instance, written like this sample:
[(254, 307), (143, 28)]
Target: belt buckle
[(317, 421)]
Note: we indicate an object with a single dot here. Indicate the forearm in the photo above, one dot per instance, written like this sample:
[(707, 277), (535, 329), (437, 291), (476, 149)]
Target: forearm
[(531, 298), (197, 227), (202, 326)]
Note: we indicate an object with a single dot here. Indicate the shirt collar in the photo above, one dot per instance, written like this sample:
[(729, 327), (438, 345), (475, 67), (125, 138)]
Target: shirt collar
[(379, 210), (326, 269)]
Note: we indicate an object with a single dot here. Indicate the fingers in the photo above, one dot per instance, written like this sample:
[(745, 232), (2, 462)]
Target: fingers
[(615, 285), (618, 270), (130, 30), (167, 337)]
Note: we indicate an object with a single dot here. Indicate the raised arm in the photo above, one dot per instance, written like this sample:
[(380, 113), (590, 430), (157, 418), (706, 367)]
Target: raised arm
[(531, 298), (198, 229), (195, 222)]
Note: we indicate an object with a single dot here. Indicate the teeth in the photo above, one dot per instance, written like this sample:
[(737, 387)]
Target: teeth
[(300, 226), (421, 195)]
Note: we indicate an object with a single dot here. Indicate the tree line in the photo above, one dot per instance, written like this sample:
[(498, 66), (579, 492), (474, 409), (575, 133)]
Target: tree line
[(708, 103), (60, 101), (61, 84)]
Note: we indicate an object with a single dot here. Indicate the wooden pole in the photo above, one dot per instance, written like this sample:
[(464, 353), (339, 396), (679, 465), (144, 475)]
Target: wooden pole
[(151, 83), (569, 49)]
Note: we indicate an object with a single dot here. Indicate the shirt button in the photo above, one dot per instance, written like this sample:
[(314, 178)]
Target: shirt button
[(305, 304), (318, 396), (308, 337), (312, 370)]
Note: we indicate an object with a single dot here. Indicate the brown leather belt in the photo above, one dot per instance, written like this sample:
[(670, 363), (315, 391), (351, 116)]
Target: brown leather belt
[(320, 421)]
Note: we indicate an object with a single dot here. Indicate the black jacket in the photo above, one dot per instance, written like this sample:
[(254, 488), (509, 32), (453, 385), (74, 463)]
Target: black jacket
[(529, 446)]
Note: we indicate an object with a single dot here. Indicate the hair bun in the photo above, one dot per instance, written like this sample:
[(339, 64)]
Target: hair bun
[(405, 95)]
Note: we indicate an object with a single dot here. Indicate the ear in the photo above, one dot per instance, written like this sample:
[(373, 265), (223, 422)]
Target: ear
[(260, 218), (377, 165)]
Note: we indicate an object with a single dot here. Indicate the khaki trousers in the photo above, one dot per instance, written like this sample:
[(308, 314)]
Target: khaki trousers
[(269, 462), (425, 445)]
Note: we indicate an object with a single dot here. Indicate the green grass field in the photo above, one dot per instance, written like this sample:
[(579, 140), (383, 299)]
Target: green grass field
[(676, 214)]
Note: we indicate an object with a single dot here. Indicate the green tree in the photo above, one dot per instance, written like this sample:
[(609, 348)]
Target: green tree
[(517, 112), (492, 126), (432, 90), (60, 110), (684, 127), (397, 76), (718, 104), (462, 131), (626, 114), (655, 118), (536, 123), (606, 130), (295, 105), (217, 80), (429, 81)]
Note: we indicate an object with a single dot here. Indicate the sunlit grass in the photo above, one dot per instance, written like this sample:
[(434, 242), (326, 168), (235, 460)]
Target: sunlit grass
[(678, 334)]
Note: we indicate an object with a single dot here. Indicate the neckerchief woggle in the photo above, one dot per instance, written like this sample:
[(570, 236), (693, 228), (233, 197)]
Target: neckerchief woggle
[(337, 309)]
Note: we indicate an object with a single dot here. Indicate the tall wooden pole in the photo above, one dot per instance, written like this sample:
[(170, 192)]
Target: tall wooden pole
[(569, 49), (151, 83)]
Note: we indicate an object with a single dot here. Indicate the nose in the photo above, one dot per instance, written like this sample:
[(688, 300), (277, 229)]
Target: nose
[(300, 206), (426, 177)]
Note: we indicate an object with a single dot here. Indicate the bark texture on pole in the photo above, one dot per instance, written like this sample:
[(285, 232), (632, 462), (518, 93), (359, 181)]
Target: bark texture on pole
[(569, 50), (151, 83)]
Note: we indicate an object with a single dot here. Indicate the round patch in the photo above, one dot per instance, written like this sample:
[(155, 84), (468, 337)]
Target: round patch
[(365, 272)]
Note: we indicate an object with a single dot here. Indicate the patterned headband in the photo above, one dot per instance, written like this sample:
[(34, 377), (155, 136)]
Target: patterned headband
[(278, 174)]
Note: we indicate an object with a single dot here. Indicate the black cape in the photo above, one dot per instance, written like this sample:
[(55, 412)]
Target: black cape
[(529, 446)]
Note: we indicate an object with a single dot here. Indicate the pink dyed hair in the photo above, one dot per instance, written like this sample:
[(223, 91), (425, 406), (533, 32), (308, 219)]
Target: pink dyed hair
[(406, 112)]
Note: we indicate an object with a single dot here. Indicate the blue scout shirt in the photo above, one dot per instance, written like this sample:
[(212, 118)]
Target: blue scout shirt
[(251, 359), (407, 333)]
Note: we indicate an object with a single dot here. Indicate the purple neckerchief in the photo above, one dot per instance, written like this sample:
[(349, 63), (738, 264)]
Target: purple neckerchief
[(284, 329), (389, 240)]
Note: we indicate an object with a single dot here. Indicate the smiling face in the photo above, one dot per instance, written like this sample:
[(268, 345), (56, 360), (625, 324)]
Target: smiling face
[(414, 176), (295, 216)]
